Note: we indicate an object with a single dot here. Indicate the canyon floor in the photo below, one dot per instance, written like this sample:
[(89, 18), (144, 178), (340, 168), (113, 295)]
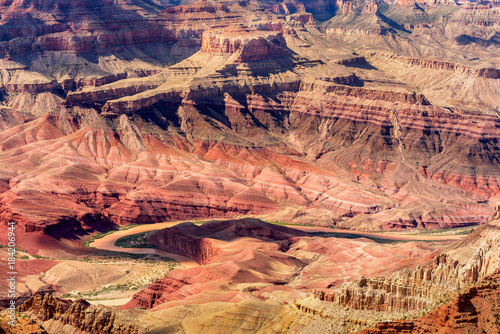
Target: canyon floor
[(258, 277), (113, 276)]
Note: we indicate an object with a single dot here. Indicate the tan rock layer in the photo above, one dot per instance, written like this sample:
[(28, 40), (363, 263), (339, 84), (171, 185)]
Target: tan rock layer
[(73, 84), (56, 314), (419, 288), (487, 72)]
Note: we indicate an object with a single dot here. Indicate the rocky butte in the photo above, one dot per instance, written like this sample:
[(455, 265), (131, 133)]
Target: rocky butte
[(353, 115), (251, 45)]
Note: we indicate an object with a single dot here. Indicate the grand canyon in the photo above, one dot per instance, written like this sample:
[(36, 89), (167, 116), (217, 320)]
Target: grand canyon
[(250, 166)]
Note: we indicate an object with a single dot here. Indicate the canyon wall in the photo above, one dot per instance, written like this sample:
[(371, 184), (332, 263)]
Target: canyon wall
[(471, 311), (416, 289), (173, 240), (56, 315)]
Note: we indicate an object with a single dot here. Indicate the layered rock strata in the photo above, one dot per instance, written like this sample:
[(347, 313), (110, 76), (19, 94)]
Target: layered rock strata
[(392, 116), (173, 240), (258, 259), (249, 45), (419, 288), (489, 73), (251, 315), (227, 131), (57, 315), (473, 311)]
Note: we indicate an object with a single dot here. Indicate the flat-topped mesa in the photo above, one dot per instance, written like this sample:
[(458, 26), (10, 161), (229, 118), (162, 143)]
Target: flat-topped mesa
[(250, 44), (199, 7), (487, 72)]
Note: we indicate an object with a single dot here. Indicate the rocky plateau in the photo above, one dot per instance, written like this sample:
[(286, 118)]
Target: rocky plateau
[(358, 115)]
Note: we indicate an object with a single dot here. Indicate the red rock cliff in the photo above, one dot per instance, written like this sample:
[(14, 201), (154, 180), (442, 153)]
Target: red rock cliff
[(249, 44), (174, 240)]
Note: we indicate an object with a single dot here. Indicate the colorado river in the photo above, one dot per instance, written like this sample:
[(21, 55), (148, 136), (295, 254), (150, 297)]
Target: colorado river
[(394, 236), (108, 243)]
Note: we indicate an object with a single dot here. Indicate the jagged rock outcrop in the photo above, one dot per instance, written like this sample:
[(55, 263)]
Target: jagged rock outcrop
[(323, 295), (473, 311), (45, 306), (54, 314), (419, 288), (496, 212), (201, 12)]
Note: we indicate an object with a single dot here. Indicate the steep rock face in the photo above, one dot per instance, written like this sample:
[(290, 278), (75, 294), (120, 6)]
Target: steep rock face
[(186, 94), (496, 212), (315, 135), (323, 295), (80, 316), (89, 25), (175, 241), (304, 18), (102, 95), (59, 32), (45, 307), (403, 291), (417, 289), (474, 311), (370, 94), (451, 84), (199, 11), (193, 241), (489, 73), (250, 45), (76, 83), (83, 41), (396, 122), (320, 9)]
